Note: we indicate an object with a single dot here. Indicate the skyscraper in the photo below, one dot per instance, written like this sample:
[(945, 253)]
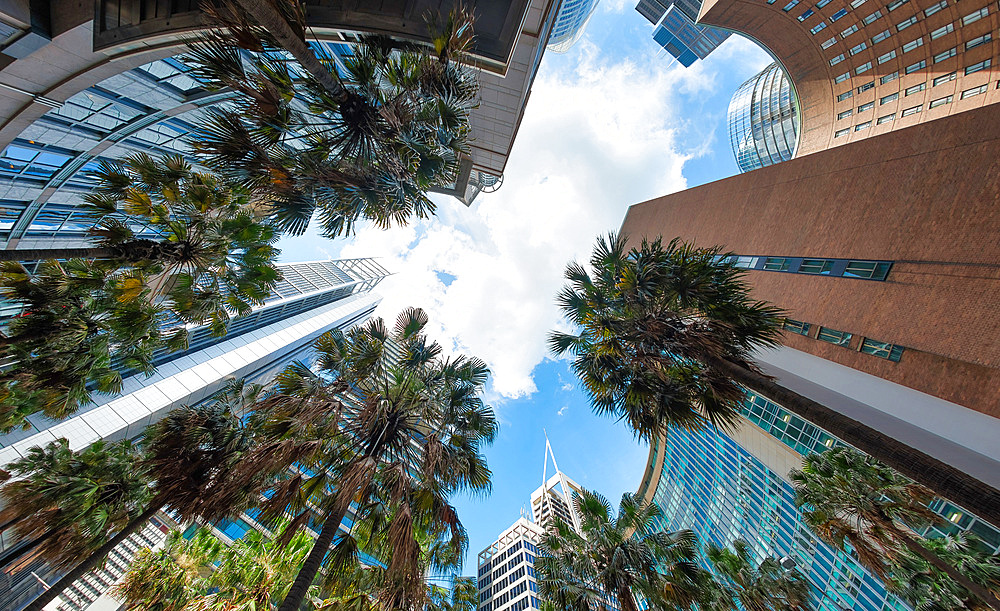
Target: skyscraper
[(763, 120), (570, 22), (554, 498), (677, 29), (506, 569)]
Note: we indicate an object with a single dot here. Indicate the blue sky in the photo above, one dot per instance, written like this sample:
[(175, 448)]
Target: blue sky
[(612, 122)]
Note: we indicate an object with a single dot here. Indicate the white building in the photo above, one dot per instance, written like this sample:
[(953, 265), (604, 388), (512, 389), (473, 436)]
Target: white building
[(554, 498), (507, 580)]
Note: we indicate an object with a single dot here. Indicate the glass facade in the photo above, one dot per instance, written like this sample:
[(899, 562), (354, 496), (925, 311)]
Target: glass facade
[(712, 485), (684, 39), (763, 120), (569, 24)]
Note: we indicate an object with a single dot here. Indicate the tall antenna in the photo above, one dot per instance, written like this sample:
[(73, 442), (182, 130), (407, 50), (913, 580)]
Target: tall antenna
[(564, 487)]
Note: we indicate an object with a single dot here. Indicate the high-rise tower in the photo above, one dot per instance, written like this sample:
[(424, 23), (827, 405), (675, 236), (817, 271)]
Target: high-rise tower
[(677, 29), (554, 498)]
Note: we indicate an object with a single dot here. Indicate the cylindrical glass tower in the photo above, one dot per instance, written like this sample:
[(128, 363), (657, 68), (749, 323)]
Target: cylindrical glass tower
[(763, 121)]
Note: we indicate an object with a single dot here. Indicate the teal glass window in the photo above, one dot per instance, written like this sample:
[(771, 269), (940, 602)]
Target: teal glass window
[(776, 264), (870, 270), (795, 326), (816, 266), (840, 338), (883, 350)]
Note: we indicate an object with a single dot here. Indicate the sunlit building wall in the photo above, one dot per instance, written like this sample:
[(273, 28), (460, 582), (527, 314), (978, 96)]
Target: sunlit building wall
[(763, 120), (570, 22)]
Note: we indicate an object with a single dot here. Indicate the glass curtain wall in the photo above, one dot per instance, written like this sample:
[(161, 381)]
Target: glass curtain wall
[(763, 120)]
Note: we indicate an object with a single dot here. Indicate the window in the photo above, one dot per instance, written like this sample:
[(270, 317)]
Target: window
[(869, 270), (842, 132), (916, 88), (885, 119), (841, 78), (837, 60), (880, 37), (892, 97), (944, 78), (895, 4), (862, 126), (857, 3), (819, 27), (845, 114), (858, 48), (938, 33), (790, 5), (847, 94), (935, 8), (940, 101), (871, 18), (840, 338), (839, 14), (920, 65), (866, 107), (816, 266), (976, 16), (881, 349), (744, 262), (913, 44), (886, 57), (979, 40), (849, 31), (795, 326), (978, 66), (865, 67), (912, 111), (888, 78), (968, 93), (822, 3), (902, 25), (805, 15), (776, 264), (829, 43), (943, 55)]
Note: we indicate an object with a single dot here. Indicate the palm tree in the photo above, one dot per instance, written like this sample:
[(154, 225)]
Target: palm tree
[(408, 433), (615, 558), (189, 456), (365, 141), (744, 584), (171, 577), (665, 336), (930, 590), (851, 499), (462, 596)]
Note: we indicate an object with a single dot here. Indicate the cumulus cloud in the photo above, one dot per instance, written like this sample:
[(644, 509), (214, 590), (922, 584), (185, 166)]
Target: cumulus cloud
[(596, 137)]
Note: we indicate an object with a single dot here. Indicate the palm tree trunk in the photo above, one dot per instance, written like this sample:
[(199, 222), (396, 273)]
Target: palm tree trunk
[(39, 254), (267, 15), (945, 480), (300, 587), (94, 560), (937, 562)]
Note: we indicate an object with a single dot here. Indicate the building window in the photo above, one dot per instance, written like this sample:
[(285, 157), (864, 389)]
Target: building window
[(776, 264), (940, 102), (979, 40), (886, 57), (940, 57), (944, 78), (976, 16), (837, 60), (978, 66), (816, 266), (862, 126), (870, 19), (920, 65), (849, 31), (822, 3), (892, 97), (935, 8), (858, 48), (866, 107), (819, 27), (842, 132), (883, 350), (913, 44), (840, 338), (829, 43), (865, 67), (902, 25), (795, 326), (866, 87), (790, 5), (869, 270), (857, 3), (916, 88), (888, 78), (805, 15), (912, 111), (847, 94), (838, 15), (843, 77), (938, 33), (968, 93), (885, 119), (895, 4), (845, 114), (880, 37)]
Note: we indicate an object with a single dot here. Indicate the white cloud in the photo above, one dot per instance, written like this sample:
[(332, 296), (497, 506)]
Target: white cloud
[(567, 387), (562, 410), (595, 138)]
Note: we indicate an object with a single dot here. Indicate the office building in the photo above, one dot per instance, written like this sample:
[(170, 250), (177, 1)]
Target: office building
[(506, 569), (570, 22), (94, 81), (763, 120), (677, 29), (554, 498)]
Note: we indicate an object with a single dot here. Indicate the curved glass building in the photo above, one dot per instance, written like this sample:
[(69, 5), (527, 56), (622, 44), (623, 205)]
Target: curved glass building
[(763, 120), (570, 22)]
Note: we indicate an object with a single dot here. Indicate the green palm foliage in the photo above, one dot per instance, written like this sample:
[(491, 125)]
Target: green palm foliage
[(59, 349), (171, 577), (62, 504), (364, 141), (742, 583), (852, 500), (651, 324), (929, 589), (387, 424), (615, 561), (462, 596)]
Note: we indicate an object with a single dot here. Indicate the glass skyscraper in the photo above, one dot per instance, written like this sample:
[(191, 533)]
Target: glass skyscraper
[(677, 29), (764, 120), (570, 22)]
